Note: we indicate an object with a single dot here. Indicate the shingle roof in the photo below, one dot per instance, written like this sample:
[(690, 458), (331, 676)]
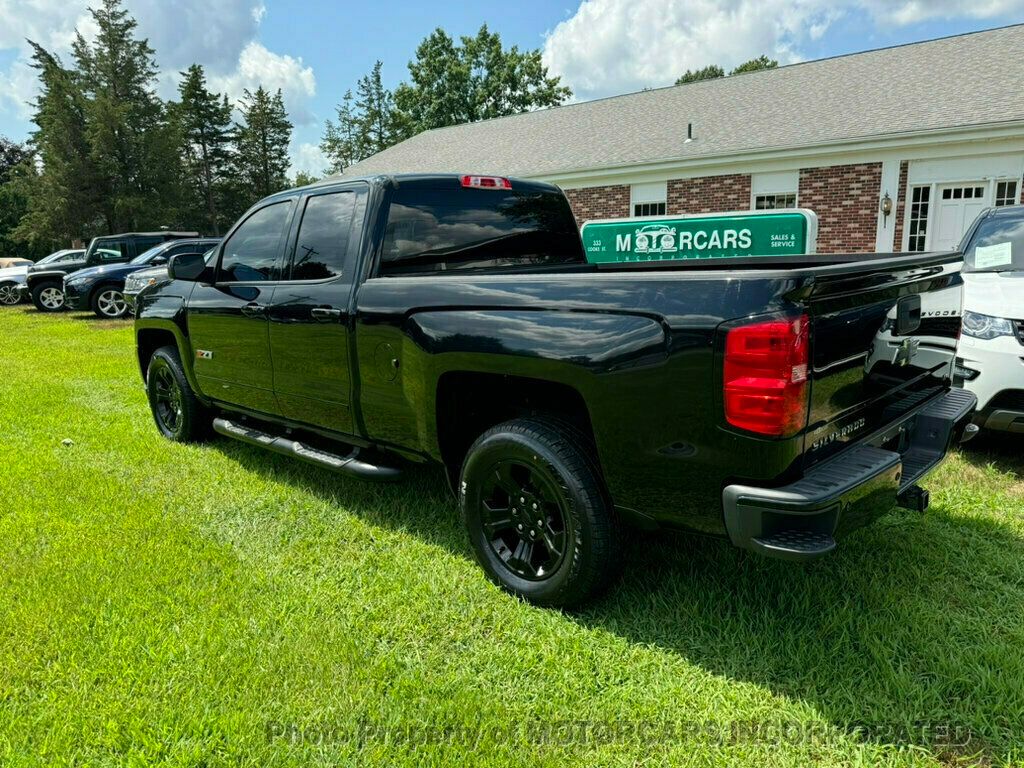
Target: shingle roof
[(967, 80)]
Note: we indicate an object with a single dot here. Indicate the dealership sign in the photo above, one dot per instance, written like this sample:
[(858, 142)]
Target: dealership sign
[(708, 236)]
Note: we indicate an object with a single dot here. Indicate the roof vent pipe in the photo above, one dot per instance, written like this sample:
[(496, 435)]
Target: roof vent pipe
[(689, 133)]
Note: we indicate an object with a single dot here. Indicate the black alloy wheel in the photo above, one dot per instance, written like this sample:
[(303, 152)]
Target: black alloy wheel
[(178, 413), (524, 516), (537, 512)]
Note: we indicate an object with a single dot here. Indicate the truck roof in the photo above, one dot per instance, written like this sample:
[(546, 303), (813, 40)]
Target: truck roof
[(420, 179)]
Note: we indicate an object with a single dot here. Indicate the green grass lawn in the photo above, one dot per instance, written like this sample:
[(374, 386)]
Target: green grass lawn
[(215, 605)]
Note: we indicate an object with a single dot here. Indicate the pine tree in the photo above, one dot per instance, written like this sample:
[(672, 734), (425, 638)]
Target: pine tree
[(366, 123), (710, 72), (131, 142), (755, 65), (378, 124), (64, 194), (262, 143), (340, 139), (15, 162), (205, 123)]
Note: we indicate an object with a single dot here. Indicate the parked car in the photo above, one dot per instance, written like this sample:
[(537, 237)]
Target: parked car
[(45, 281), (136, 282), (991, 344), (13, 279), (101, 289), (358, 324), (7, 263)]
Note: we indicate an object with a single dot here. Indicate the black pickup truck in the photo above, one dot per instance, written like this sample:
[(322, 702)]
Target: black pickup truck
[(363, 324)]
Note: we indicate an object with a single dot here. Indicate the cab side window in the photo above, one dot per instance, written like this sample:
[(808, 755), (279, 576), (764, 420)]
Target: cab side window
[(251, 253), (324, 234)]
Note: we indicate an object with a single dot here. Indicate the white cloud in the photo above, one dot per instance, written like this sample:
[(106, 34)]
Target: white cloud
[(219, 35), (18, 86), (259, 66), (307, 157), (914, 11), (51, 23), (614, 46)]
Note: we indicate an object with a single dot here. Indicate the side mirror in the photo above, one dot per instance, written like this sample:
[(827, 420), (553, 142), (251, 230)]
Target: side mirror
[(187, 266), (158, 261)]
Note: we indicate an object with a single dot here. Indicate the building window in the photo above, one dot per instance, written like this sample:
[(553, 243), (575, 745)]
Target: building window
[(775, 200), (1006, 192), (963, 193), (649, 199), (919, 217), (649, 209)]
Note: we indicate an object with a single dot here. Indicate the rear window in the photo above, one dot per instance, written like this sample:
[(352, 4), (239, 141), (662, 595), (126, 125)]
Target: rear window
[(438, 229), (997, 245)]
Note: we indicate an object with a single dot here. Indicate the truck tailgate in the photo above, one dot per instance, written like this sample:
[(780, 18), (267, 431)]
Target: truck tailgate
[(883, 342)]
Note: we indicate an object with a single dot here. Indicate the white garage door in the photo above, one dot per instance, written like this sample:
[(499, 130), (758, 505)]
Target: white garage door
[(958, 205)]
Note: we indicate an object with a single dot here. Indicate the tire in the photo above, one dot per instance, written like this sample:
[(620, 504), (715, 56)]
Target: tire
[(108, 302), (48, 296), (9, 295), (176, 410), (572, 550)]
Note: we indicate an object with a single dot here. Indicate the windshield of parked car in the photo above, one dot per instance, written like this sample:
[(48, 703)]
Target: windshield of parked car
[(997, 245), (52, 257), (146, 256)]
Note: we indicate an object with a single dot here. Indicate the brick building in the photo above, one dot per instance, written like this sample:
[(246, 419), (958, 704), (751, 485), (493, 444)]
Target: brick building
[(931, 131)]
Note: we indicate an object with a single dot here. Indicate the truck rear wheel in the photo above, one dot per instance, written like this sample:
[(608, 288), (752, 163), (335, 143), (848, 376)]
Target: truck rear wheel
[(538, 517), (176, 410), (48, 296)]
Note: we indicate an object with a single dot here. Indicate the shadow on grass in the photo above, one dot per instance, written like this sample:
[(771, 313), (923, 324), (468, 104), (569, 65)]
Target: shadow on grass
[(915, 625), (93, 319), (1002, 450)]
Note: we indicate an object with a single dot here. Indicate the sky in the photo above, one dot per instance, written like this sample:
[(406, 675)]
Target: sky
[(317, 49)]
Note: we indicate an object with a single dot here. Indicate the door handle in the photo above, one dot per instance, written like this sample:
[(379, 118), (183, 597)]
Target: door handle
[(254, 310), (323, 314)]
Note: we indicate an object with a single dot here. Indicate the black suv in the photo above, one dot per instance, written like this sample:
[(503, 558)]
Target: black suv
[(101, 289), (46, 281)]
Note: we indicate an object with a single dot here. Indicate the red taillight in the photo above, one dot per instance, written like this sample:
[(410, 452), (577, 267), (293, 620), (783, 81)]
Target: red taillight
[(486, 182), (765, 388)]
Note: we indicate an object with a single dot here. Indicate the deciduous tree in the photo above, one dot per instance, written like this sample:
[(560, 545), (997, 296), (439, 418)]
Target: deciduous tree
[(474, 80)]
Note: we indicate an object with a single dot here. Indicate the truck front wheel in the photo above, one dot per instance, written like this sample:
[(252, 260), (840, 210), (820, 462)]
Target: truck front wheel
[(538, 518), (176, 410)]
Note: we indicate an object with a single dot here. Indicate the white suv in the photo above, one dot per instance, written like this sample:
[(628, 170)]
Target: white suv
[(990, 354)]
